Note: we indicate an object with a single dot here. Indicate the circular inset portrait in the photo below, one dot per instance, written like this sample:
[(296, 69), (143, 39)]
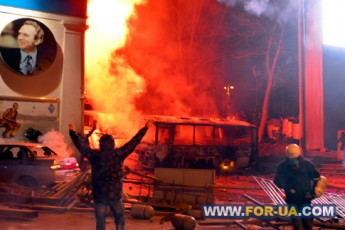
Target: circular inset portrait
[(27, 46)]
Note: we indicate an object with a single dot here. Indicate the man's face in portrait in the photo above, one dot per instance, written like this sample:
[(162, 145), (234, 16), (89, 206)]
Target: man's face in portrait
[(26, 38)]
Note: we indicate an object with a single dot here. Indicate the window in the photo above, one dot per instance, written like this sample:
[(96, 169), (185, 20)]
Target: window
[(184, 135), (204, 135), (164, 136), (233, 136)]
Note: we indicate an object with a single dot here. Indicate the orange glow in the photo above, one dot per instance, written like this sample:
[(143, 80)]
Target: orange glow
[(111, 93), (142, 59)]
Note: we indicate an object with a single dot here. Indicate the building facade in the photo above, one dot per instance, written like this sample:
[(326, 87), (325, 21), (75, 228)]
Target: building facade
[(51, 97)]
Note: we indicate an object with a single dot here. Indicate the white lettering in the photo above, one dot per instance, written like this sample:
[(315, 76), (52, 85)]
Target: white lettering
[(222, 211)]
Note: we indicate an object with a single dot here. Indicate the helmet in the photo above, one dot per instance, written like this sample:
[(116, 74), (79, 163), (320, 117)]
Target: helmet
[(106, 142), (293, 151)]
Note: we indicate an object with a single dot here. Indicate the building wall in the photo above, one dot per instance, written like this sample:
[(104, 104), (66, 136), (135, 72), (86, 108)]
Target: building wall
[(57, 92)]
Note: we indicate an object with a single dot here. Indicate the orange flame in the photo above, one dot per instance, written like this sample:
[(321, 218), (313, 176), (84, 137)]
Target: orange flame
[(163, 65), (111, 92)]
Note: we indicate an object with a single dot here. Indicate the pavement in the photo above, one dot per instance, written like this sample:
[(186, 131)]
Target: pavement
[(85, 221), (74, 220)]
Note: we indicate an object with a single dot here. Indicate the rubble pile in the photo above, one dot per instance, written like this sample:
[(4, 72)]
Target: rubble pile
[(59, 198)]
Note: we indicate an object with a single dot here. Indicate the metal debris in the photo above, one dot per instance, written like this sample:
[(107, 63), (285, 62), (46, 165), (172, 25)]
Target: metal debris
[(278, 197)]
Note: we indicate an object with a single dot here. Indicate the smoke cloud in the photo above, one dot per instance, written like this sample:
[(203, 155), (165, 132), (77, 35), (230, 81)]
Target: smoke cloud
[(56, 141), (152, 57), (257, 7), (267, 8), (173, 46)]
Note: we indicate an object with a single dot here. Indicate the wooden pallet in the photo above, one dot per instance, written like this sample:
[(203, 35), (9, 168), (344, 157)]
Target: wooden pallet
[(58, 198)]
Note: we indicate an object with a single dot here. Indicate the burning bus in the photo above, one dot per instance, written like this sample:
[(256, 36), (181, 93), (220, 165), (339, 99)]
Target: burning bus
[(193, 142), (188, 142)]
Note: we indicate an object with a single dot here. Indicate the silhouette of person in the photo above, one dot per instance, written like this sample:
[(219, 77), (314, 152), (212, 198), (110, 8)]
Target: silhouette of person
[(342, 145), (342, 140), (298, 177), (106, 166)]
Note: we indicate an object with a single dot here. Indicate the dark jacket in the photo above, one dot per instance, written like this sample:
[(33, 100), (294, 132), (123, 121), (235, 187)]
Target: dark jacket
[(106, 166), (298, 182), (11, 56)]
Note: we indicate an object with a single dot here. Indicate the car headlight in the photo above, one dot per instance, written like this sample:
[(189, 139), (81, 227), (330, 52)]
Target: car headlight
[(227, 165)]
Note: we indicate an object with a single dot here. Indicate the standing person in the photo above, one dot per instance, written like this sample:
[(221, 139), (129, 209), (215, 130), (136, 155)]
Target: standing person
[(342, 146), (106, 165), (9, 121), (298, 177), (27, 59)]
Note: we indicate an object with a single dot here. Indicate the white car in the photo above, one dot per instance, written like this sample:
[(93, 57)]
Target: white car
[(34, 165)]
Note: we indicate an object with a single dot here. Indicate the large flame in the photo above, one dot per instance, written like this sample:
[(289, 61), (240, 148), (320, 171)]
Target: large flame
[(111, 88), (153, 57)]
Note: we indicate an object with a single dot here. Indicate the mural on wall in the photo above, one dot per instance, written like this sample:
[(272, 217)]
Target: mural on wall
[(27, 46), (27, 113), (9, 121)]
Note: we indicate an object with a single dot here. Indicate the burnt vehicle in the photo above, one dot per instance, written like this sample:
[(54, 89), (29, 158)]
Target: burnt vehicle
[(34, 165), (192, 142)]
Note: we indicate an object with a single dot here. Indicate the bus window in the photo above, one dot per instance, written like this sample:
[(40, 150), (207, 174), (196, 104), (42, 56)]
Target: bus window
[(224, 136), (204, 135), (183, 135), (164, 136), (233, 136), (243, 135)]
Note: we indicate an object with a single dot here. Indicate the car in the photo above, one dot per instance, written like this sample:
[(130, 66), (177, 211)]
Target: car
[(34, 165)]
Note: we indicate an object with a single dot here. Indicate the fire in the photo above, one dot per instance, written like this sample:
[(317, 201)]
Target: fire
[(152, 57), (107, 21), (112, 92)]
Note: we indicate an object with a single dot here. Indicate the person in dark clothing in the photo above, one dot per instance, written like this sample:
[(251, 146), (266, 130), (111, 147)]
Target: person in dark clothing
[(342, 146), (342, 140), (80, 140), (298, 178), (106, 171)]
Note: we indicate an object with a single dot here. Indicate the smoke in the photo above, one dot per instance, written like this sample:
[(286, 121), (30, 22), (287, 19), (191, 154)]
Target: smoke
[(256, 7), (142, 58), (176, 54), (267, 8), (56, 141)]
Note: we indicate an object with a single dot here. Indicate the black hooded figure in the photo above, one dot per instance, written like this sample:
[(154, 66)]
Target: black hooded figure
[(106, 165)]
